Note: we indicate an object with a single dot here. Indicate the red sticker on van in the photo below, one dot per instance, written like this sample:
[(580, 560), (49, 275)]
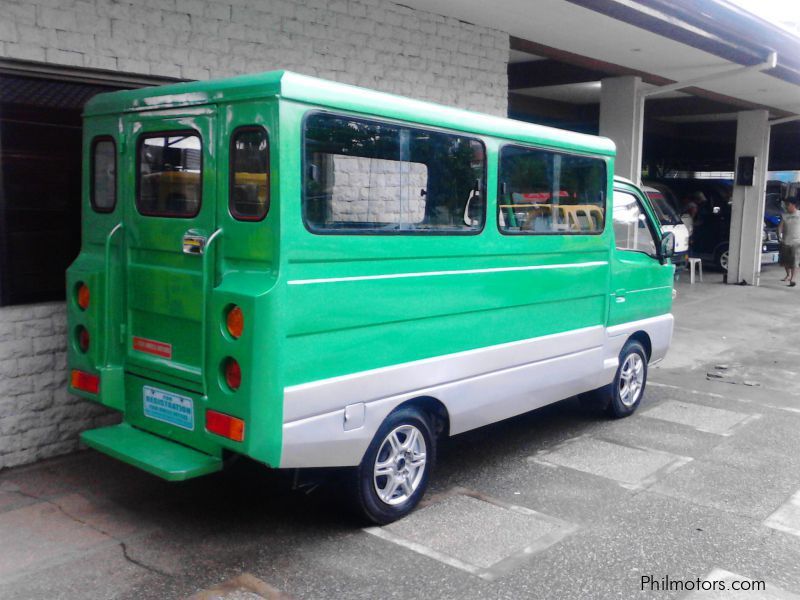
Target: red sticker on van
[(161, 349)]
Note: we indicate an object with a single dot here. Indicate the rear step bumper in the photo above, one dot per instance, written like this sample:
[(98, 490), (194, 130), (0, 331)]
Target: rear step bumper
[(156, 455)]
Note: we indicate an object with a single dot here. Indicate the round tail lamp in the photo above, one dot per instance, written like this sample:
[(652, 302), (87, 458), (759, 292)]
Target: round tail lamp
[(83, 338), (233, 373)]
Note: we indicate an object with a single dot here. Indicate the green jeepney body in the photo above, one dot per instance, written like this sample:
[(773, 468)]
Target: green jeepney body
[(338, 329)]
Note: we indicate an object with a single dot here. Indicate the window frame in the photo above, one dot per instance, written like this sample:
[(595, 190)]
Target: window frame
[(166, 134), (648, 219), (399, 123), (507, 232), (95, 141), (232, 173)]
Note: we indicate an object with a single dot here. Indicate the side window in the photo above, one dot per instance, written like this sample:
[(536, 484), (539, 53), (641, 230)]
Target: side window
[(364, 176), (168, 183), (545, 192), (630, 225), (249, 185), (103, 194)]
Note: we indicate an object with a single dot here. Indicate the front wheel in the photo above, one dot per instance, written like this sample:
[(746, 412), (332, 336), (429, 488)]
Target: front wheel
[(394, 473), (629, 382)]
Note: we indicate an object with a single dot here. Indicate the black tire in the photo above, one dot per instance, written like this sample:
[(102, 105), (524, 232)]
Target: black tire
[(625, 397), (721, 258), (368, 487)]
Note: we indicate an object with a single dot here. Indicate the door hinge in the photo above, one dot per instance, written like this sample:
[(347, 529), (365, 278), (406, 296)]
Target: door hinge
[(122, 333)]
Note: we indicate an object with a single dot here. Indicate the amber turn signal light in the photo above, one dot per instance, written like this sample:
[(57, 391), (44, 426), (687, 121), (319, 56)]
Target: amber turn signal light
[(235, 322), (225, 425), (83, 296)]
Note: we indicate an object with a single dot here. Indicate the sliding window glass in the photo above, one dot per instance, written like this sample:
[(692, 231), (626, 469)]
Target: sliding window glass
[(365, 176), (546, 192)]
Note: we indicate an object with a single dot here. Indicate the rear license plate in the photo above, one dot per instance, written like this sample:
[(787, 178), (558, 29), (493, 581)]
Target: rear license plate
[(168, 407)]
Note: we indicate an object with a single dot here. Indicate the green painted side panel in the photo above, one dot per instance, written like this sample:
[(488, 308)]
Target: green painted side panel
[(151, 453)]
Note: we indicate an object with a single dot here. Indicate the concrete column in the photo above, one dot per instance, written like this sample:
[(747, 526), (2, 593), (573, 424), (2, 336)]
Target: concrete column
[(747, 214), (621, 119)]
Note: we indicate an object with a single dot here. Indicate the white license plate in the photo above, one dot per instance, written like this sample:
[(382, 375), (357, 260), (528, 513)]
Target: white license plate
[(769, 258), (168, 407)]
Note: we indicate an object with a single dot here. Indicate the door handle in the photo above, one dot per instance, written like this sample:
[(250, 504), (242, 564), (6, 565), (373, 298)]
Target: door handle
[(193, 243), (619, 296)]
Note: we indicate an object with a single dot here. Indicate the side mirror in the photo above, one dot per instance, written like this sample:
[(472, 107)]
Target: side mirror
[(667, 247)]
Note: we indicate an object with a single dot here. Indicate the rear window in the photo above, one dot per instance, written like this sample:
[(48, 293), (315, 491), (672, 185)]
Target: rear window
[(249, 188), (169, 175), (104, 175)]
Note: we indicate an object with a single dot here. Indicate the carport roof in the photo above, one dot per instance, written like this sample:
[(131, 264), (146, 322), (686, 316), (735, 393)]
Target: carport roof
[(661, 41)]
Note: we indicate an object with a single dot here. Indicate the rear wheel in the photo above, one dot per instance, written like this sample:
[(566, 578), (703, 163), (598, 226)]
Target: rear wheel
[(394, 473)]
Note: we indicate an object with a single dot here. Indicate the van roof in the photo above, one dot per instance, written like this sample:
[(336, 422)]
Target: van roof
[(320, 92)]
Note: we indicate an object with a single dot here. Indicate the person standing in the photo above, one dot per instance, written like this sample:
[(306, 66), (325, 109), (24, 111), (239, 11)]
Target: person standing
[(789, 236)]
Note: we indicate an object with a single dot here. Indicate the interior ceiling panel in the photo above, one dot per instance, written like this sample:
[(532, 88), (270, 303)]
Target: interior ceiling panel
[(566, 26), (46, 93)]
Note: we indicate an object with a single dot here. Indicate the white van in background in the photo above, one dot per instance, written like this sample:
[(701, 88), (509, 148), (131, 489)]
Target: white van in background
[(670, 221)]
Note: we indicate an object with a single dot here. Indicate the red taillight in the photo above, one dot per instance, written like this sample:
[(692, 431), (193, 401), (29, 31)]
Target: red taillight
[(85, 381), (225, 425), (83, 296), (233, 374), (234, 321), (83, 338)]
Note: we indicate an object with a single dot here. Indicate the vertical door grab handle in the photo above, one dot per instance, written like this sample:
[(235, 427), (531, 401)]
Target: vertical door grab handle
[(107, 316), (206, 291)]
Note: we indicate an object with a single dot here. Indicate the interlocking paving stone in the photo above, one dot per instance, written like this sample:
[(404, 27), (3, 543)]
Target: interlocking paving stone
[(702, 418), (727, 578), (787, 517), (629, 466), (479, 535)]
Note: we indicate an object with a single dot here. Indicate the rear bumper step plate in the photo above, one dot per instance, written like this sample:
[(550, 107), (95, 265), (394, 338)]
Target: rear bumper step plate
[(169, 460)]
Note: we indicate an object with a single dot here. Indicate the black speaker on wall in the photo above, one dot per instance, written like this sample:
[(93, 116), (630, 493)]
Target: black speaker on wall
[(745, 170)]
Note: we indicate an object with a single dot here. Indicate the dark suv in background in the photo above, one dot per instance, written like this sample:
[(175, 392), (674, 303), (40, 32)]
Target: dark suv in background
[(712, 223)]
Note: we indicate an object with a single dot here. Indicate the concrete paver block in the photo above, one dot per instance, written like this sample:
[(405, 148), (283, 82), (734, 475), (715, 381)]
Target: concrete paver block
[(476, 534), (787, 517), (702, 418), (632, 467)]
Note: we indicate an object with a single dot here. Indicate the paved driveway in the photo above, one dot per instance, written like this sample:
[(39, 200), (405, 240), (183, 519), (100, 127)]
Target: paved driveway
[(701, 488)]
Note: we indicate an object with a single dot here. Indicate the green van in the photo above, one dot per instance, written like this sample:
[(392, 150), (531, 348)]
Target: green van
[(317, 275)]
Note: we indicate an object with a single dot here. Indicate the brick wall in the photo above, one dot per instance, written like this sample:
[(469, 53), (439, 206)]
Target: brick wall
[(38, 418), (373, 43)]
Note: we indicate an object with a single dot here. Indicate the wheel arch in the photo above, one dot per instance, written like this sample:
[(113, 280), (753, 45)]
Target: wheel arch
[(643, 338), (434, 409)]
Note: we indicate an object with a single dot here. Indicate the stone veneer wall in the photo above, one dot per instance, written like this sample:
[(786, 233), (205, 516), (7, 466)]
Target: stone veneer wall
[(373, 43)]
